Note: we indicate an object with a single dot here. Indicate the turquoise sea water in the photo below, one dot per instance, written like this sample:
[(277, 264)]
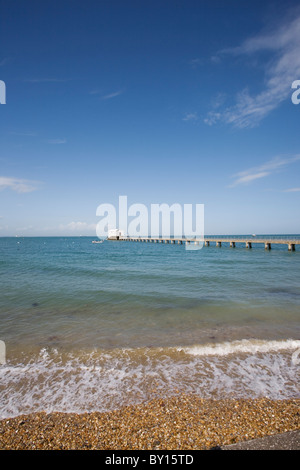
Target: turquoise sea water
[(96, 326)]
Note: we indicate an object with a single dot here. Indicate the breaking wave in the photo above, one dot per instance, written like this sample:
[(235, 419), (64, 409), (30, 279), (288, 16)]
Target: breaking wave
[(103, 380)]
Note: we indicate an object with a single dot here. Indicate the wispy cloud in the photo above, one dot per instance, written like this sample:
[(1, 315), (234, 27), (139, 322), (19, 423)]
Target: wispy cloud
[(107, 96), (112, 95), (195, 62), (4, 61), (283, 43), (292, 190), (190, 117), (24, 134), (18, 185), (266, 169), (215, 59)]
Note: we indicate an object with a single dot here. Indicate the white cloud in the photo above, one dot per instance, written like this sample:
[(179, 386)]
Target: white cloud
[(292, 190), (195, 62), (247, 178), (109, 96), (215, 59), (190, 117), (112, 95), (18, 185), (283, 42), (264, 170), (212, 118)]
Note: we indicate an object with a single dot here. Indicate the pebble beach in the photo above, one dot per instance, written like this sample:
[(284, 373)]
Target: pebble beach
[(184, 422)]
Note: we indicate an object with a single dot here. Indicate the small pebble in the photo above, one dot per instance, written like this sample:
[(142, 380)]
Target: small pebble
[(183, 422)]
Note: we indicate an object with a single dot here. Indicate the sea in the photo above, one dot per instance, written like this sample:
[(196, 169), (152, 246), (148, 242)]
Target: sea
[(97, 326)]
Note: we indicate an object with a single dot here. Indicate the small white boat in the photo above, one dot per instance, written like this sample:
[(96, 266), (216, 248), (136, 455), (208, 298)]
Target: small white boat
[(97, 241)]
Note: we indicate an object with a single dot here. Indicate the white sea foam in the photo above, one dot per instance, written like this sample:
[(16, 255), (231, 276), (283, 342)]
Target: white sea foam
[(105, 380), (252, 346)]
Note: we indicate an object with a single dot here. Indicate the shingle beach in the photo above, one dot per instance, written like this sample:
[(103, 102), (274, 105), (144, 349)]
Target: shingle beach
[(184, 422)]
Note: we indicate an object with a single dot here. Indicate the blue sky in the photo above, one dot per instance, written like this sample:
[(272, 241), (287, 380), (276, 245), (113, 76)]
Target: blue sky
[(163, 101)]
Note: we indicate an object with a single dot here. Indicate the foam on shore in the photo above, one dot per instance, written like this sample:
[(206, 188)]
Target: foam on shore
[(104, 380), (248, 346)]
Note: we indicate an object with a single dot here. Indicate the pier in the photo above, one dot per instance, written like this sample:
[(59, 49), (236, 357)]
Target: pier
[(248, 242)]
